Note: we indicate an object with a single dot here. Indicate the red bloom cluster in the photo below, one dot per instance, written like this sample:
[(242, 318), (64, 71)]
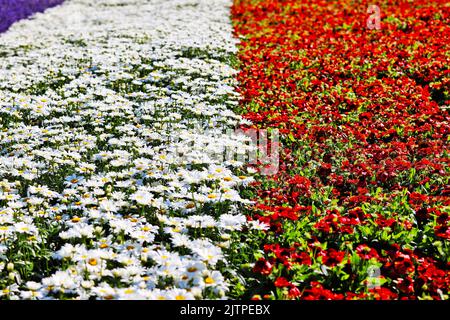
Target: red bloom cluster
[(363, 179)]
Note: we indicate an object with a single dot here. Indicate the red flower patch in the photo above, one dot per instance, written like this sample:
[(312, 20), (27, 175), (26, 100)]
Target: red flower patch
[(364, 125)]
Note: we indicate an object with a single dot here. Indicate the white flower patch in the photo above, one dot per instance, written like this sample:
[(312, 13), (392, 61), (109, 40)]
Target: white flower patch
[(116, 180)]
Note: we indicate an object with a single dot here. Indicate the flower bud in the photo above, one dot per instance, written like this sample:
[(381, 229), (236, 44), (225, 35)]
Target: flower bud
[(98, 229), (225, 236)]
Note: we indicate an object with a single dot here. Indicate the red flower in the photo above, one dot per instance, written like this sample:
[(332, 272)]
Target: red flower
[(384, 223), (301, 258), (416, 198), (332, 257), (365, 252), (324, 170), (383, 294), (300, 185), (405, 285), (294, 292), (442, 232), (403, 263), (282, 282), (263, 266), (317, 292)]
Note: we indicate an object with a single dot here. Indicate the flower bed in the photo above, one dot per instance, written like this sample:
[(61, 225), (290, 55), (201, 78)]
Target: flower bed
[(15, 10), (360, 206), (115, 121), (109, 183)]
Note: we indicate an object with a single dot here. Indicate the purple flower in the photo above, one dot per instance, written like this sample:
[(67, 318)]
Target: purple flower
[(14, 10)]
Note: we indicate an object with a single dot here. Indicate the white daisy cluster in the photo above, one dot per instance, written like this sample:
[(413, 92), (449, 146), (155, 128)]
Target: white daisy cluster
[(114, 115)]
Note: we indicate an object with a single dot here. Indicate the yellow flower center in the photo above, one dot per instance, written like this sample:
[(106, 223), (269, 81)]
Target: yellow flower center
[(209, 280), (93, 262), (190, 205)]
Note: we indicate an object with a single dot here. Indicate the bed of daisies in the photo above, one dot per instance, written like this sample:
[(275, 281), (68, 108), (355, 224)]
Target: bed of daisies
[(113, 179), (127, 145)]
